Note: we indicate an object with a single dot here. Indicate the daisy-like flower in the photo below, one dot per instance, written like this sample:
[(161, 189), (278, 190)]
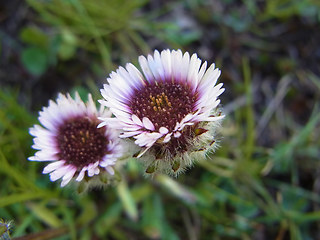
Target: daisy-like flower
[(5, 229), (170, 109), (70, 139)]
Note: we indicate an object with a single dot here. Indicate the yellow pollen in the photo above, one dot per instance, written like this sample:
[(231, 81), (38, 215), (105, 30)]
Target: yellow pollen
[(160, 102)]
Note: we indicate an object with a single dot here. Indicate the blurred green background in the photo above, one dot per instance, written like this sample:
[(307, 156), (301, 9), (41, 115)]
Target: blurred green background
[(262, 183)]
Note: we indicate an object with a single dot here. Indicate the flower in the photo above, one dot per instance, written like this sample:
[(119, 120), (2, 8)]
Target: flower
[(71, 140), (170, 110), (5, 229)]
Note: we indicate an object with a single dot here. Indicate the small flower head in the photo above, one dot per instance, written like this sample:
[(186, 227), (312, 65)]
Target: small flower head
[(170, 109), (5, 229), (70, 139)]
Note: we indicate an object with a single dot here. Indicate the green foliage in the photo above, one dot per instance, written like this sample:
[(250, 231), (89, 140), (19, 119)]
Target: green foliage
[(35, 60), (94, 26)]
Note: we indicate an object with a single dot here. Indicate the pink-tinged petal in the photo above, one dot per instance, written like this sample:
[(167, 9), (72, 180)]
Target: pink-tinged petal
[(209, 79), (53, 166), (177, 134), (46, 145), (127, 81), (185, 66), (96, 171), (143, 151), (67, 178), (202, 71), (145, 68), (215, 118), (59, 173), (160, 67), (37, 130), (185, 124), (147, 123), (187, 118), (47, 123), (110, 170), (166, 63), (106, 163), (194, 64), (208, 108), (81, 174), (42, 156), (153, 67), (147, 139), (167, 138), (129, 134), (91, 170), (177, 60), (135, 73), (136, 120), (163, 130), (112, 122), (131, 128)]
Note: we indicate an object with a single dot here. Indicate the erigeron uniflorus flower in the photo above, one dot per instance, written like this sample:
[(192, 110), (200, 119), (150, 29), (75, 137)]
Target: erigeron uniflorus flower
[(170, 109), (70, 140), (5, 229)]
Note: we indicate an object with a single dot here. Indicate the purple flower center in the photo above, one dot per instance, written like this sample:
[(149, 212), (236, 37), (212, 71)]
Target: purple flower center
[(164, 103), (80, 142)]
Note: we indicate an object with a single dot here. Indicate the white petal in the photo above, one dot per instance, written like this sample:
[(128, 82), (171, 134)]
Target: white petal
[(129, 134), (97, 171), (59, 173), (163, 130), (167, 138), (143, 152), (136, 120), (91, 170), (214, 118), (177, 134), (53, 166), (66, 178), (81, 174), (147, 123), (166, 63), (145, 68), (110, 170)]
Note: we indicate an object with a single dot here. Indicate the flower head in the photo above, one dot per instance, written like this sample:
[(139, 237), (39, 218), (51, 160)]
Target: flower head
[(170, 110), (70, 139), (5, 229)]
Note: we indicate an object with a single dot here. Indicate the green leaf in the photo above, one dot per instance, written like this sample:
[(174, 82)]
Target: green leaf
[(45, 215), (127, 200), (35, 60), (152, 217), (21, 197), (34, 36), (176, 188), (68, 47)]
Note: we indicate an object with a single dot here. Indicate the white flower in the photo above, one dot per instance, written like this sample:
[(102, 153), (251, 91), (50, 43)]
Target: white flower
[(70, 139), (170, 110)]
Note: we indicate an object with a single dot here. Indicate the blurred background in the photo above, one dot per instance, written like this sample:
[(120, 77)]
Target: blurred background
[(262, 183)]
